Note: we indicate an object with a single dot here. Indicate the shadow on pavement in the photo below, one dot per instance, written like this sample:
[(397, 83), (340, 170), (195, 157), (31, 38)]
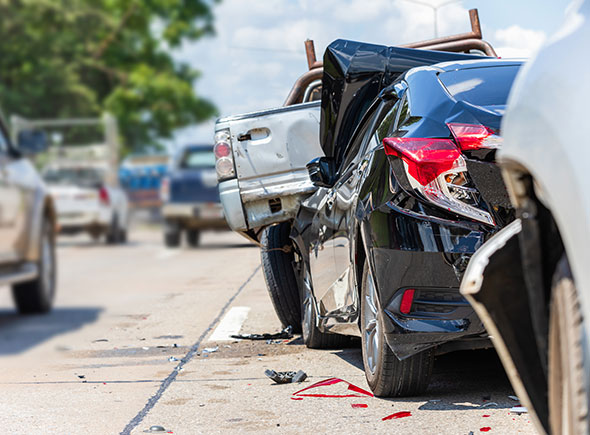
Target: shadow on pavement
[(19, 333)]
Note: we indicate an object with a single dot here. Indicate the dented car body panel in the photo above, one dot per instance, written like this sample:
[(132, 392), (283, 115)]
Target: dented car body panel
[(270, 150)]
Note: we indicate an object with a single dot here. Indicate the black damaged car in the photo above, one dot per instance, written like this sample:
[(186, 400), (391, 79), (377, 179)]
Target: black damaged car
[(407, 191)]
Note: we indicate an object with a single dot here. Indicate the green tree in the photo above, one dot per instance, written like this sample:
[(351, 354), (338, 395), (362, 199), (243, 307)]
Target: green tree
[(75, 58)]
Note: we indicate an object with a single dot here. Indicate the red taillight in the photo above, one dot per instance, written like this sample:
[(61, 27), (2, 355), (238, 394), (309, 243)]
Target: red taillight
[(222, 149), (407, 300), (474, 136), (103, 196), (426, 158)]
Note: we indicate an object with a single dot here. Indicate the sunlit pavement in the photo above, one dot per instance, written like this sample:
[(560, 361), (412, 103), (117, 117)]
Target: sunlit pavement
[(123, 351)]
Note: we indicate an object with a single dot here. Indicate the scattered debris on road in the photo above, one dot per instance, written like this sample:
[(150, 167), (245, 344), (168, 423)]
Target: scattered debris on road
[(286, 377), (359, 392), (359, 405), (157, 429), (172, 359), (210, 349), (397, 415), (284, 334), (485, 429), (516, 399), (518, 410), (488, 405), (100, 340)]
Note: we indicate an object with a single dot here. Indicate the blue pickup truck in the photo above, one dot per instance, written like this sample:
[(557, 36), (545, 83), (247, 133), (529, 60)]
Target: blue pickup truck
[(190, 196)]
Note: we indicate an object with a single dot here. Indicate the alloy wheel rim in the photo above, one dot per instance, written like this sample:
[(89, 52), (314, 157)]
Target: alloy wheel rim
[(371, 328)]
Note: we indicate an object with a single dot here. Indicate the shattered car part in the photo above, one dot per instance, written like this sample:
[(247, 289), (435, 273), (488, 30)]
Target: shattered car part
[(357, 391), (286, 377), (211, 349), (397, 415), (284, 334)]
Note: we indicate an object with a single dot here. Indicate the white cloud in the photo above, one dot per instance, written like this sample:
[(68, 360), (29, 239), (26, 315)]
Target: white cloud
[(514, 41)]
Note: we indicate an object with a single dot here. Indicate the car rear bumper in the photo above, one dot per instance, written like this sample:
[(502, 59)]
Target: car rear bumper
[(79, 221), (195, 214), (431, 262)]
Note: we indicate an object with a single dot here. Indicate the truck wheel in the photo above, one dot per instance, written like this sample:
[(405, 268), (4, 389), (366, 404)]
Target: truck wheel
[(312, 336), (568, 405), (277, 267), (37, 296), (386, 375), (113, 233), (171, 234), (193, 237)]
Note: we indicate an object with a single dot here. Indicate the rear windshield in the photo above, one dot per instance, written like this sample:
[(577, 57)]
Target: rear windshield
[(83, 177), (201, 159), (485, 86)]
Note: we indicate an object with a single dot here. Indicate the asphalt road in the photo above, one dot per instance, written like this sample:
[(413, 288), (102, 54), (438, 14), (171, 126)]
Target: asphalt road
[(123, 351)]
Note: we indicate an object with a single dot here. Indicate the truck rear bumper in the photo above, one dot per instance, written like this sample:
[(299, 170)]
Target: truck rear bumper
[(195, 215), (229, 194)]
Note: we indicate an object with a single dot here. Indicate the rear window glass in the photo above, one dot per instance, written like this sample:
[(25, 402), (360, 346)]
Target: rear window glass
[(487, 86), (83, 177), (197, 159)]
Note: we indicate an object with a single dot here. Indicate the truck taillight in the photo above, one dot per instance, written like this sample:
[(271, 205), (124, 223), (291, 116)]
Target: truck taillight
[(165, 189), (438, 171), (103, 196), (224, 163)]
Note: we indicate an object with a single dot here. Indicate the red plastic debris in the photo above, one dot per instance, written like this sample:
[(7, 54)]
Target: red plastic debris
[(331, 381), (296, 398), (359, 405), (400, 414), (486, 415), (485, 429)]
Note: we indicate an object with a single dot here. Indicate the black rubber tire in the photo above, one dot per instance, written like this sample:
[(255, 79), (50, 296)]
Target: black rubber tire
[(172, 240), (36, 296), (193, 237), (113, 233), (123, 236), (568, 405), (310, 333), (172, 233), (277, 268), (392, 377)]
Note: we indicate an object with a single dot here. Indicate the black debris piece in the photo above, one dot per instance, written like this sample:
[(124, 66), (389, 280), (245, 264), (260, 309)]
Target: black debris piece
[(286, 377), (284, 334)]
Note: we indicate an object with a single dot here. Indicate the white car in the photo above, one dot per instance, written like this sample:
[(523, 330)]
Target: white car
[(85, 202), (530, 284)]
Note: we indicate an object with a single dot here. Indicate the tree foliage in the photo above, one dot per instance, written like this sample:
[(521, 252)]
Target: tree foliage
[(76, 58)]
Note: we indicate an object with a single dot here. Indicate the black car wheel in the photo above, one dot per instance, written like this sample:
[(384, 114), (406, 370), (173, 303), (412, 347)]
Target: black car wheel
[(277, 260), (113, 233), (193, 237), (568, 405), (386, 374), (171, 234), (37, 296), (312, 336)]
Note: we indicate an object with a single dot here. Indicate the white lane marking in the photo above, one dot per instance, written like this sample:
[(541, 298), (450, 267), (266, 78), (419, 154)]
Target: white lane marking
[(230, 324), (167, 253)]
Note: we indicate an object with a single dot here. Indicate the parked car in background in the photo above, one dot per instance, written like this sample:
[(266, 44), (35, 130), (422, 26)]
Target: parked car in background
[(86, 202), (530, 284), (405, 196), (27, 225), (190, 196)]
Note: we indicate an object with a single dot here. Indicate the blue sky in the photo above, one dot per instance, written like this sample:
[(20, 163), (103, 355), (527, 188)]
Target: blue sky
[(258, 50)]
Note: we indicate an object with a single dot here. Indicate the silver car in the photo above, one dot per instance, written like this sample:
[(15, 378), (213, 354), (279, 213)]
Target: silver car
[(530, 283), (27, 225)]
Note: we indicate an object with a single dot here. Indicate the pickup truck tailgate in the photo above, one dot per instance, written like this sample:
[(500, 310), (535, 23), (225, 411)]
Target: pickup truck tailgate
[(270, 150)]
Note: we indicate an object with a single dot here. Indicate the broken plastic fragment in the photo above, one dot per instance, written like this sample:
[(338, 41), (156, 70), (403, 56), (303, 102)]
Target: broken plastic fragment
[(516, 399), (172, 359), (286, 377), (359, 405), (518, 410), (285, 333), (489, 404), (211, 349), (296, 398), (485, 429), (400, 414), (331, 381), (486, 415), (155, 429)]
